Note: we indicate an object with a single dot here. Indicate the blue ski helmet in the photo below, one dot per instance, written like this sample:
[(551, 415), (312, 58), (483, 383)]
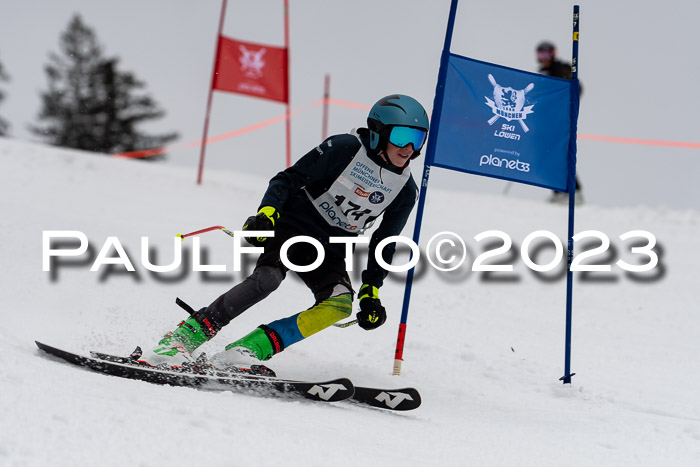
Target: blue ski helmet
[(391, 111)]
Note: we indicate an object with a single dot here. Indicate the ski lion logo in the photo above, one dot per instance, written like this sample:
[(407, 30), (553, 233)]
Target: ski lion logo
[(252, 62), (508, 103)]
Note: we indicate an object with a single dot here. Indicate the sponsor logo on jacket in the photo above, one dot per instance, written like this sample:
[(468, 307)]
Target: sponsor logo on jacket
[(360, 192), (376, 197), (332, 215)]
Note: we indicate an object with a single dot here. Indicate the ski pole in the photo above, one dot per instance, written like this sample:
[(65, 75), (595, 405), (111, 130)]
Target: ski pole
[(229, 233), (208, 229), (346, 324)]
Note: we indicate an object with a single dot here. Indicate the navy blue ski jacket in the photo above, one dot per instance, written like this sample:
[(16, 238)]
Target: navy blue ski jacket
[(315, 172)]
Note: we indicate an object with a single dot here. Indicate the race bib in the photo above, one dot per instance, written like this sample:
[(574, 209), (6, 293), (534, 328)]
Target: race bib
[(360, 194)]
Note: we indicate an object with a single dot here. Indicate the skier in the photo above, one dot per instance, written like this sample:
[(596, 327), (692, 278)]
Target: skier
[(550, 65), (337, 189)]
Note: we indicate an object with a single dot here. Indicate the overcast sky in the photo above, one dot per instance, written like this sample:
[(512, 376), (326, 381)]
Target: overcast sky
[(638, 63)]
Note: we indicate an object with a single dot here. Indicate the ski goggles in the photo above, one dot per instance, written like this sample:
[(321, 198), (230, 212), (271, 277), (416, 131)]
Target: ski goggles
[(402, 136)]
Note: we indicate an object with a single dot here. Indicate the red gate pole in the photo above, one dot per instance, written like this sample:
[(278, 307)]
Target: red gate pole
[(288, 112), (211, 92), (326, 96)]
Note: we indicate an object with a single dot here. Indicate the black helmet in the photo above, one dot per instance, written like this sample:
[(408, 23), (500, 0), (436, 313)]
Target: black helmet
[(545, 46)]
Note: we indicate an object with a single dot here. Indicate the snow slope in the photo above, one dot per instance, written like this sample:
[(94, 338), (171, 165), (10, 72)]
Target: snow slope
[(486, 354)]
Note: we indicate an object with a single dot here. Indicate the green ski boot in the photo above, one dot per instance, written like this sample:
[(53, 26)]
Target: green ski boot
[(176, 347), (259, 345)]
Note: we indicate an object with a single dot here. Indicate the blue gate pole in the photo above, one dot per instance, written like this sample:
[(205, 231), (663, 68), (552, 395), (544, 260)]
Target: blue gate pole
[(429, 157), (571, 185)]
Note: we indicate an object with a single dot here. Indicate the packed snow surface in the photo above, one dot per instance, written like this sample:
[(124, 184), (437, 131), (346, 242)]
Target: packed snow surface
[(485, 350)]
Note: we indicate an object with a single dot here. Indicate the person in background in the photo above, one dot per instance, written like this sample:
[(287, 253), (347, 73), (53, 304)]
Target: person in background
[(550, 65)]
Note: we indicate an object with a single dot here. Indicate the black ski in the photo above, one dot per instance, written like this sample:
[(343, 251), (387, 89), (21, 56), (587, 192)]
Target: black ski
[(328, 391), (389, 399)]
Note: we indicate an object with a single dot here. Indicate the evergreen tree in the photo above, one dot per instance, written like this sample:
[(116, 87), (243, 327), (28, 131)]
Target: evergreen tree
[(3, 124), (90, 104)]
